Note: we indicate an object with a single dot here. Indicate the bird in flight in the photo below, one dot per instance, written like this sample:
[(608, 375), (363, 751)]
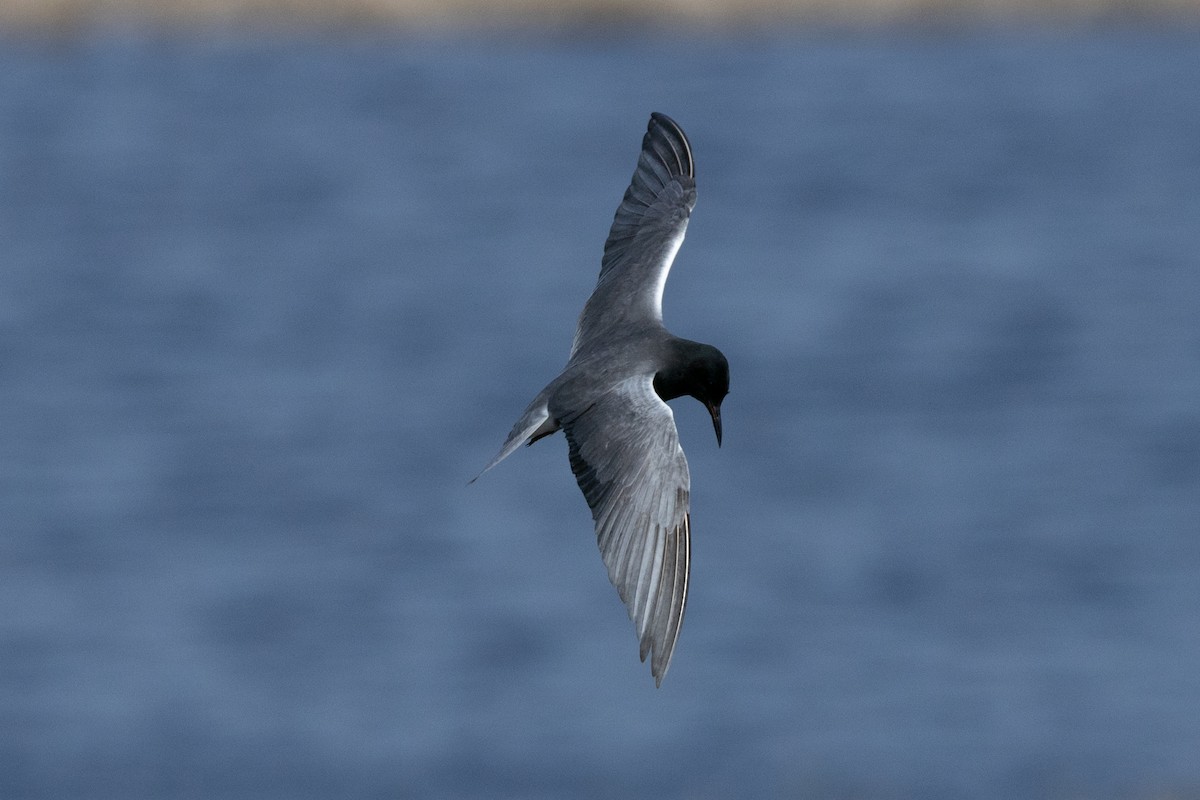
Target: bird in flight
[(610, 399)]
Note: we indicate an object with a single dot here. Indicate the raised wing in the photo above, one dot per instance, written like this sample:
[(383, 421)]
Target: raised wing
[(626, 456), (646, 233)]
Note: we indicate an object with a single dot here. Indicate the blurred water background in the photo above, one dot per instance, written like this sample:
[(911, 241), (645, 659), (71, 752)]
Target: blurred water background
[(269, 300)]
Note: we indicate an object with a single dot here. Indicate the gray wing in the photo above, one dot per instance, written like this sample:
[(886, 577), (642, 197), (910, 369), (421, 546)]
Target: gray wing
[(646, 233), (626, 456)]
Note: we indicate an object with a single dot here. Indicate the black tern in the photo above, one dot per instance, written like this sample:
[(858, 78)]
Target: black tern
[(610, 398)]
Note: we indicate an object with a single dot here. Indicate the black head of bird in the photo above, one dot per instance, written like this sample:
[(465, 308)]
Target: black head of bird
[(696, 370)]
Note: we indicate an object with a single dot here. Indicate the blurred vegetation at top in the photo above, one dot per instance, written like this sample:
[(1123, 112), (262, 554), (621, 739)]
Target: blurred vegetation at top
[(699, 14)]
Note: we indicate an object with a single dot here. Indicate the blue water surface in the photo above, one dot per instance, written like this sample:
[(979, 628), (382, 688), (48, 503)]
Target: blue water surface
[(268, 302)]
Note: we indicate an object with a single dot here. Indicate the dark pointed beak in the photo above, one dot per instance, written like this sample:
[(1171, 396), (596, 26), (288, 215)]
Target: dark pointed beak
[(715, 412)]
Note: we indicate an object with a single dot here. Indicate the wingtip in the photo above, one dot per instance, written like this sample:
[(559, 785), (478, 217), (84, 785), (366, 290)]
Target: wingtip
[(659, 671), (670, 130), (663, 119)]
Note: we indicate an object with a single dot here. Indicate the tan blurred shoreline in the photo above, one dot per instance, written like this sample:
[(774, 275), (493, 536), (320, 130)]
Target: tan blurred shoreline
[(481, 13)]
